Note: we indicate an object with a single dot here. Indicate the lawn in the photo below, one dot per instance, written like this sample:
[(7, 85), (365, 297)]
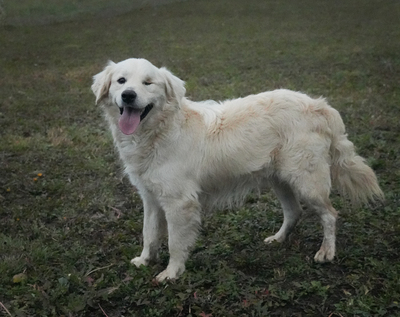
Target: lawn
[(70, 222)]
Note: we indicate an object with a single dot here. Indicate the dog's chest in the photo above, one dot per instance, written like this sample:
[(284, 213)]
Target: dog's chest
[(144, 163), (136, 158)]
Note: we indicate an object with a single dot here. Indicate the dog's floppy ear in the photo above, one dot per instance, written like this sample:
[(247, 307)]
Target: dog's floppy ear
[(102, 82), (174, 87)]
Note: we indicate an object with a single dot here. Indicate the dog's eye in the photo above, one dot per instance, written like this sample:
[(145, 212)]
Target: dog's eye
[(147, 83), (121, 81)]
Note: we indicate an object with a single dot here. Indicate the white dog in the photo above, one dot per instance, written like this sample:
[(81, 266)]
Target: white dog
[(187, 157)]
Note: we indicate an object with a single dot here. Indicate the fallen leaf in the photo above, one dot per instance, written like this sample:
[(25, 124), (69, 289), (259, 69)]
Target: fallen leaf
[(20, 278)]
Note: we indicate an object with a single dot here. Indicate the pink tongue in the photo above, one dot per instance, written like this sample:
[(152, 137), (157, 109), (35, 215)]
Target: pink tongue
[(129, 121)]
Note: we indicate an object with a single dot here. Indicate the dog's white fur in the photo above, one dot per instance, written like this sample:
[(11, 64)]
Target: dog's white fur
[(187, 157)]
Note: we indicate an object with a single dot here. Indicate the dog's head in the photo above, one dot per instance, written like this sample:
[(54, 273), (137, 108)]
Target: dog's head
[(138, 89)]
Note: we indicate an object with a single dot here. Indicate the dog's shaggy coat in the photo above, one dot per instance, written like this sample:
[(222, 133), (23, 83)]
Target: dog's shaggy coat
[(187, 157)]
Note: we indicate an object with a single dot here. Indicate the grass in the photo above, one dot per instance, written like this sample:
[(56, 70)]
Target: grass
[(30, 12), (69, 221)]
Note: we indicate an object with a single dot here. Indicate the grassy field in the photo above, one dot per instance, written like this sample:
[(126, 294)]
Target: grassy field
[(28, 12), (69, 221)]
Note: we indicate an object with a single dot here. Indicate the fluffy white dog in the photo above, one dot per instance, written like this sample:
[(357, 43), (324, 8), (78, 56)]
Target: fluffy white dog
[(187, 157)]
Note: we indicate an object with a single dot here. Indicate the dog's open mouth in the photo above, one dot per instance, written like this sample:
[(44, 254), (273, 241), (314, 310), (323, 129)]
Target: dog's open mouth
[(131, 118)]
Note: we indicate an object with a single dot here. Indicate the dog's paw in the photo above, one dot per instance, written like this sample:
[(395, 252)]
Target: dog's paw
[(324, 255), (273, 238), (138, 261), (165, 276), (171, 273)]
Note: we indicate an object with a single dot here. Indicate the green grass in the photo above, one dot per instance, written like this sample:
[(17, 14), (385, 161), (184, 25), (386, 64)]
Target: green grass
[(30, 12), (73, 230)]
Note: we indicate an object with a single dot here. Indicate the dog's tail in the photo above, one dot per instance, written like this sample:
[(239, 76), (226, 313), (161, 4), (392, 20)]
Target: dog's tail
[(350, 174)]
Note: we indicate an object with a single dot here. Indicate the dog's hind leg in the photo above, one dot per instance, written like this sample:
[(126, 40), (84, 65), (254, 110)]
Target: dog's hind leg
[(291, 210), (313, 185), (154, 228), (328, 216), (184, 220)]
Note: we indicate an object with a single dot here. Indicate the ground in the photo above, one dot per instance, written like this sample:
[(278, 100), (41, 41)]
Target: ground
[(70, 222)]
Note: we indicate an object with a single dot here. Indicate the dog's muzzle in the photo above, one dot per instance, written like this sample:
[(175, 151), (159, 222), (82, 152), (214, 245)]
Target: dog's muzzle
[(143, 114), (128, 97)]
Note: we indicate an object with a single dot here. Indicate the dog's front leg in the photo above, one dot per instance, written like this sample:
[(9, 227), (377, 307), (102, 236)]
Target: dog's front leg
[(184, 220), (154, 228)]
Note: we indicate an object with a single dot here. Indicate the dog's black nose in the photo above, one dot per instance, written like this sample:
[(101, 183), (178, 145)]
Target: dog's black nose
[(128, 96)]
